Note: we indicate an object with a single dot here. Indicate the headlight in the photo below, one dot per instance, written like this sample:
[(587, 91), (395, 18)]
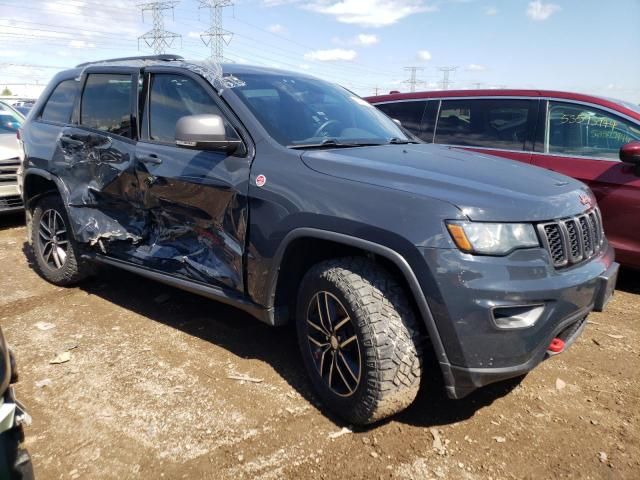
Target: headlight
[(492, 238)]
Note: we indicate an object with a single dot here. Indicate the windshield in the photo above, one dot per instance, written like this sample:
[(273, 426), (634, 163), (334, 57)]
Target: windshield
[(10, 120), (630, 106), (302, 111)]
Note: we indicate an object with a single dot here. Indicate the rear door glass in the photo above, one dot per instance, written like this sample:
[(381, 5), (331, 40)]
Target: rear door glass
[(106, 103), (60, 104), (408, 113), (488, 123), (586, 131)]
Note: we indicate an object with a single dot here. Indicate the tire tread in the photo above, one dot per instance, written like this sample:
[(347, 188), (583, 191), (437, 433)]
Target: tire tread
[(391, 337)]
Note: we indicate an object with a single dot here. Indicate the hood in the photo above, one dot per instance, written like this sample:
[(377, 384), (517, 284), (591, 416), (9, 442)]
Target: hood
[(483, 187), (8, 146)]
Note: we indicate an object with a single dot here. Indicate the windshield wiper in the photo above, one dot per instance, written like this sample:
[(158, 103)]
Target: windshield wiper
[(333, 143), (399, 141)]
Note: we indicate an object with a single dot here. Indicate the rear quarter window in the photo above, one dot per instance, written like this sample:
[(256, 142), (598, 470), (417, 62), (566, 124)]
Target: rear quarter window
[(419, 117), (59, 106), (408, 113)]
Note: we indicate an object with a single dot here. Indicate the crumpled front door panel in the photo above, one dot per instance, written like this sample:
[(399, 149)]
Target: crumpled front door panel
[(197, 209)]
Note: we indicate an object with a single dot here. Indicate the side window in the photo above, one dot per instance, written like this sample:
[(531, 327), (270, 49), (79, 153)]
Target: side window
[(172, 97), (106, 103), (409, 113), (581, 130), (491, 123), (60, 103)]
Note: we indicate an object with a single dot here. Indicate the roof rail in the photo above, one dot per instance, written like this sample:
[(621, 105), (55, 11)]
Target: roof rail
[(162, 58)]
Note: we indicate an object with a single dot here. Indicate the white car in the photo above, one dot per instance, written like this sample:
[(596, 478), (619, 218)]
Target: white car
[(10, 121)]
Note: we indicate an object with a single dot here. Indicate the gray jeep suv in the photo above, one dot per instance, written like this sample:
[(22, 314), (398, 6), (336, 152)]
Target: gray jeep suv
[(295, 200)]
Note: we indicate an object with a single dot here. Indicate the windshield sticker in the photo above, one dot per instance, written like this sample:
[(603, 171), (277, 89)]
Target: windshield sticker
[(588, 119)]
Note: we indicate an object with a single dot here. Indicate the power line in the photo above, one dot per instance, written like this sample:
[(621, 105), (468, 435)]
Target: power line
[(158, 38), (413, 81), (445, 76), (352, 65), (216, 37)]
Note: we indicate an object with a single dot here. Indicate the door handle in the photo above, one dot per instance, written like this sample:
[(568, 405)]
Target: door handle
[(73, 142), (152, 159)]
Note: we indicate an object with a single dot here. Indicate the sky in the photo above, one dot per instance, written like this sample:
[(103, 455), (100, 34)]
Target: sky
[(589, 46)]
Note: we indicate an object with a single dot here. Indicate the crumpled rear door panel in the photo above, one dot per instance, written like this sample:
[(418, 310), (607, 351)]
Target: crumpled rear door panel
[(103, 192)]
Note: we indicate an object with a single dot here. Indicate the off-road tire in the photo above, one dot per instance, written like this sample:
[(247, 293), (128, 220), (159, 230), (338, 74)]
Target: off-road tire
[(386, 329), (75, 268)]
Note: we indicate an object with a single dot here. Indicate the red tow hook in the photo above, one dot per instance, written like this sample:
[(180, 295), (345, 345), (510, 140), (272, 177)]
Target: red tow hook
[(556, 346)]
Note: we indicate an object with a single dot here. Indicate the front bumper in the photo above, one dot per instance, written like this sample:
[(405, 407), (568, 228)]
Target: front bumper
[(466, 290)]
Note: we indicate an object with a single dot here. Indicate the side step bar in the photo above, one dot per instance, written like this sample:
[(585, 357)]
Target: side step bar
[(208, 291)]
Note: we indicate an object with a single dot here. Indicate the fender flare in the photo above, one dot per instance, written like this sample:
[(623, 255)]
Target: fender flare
[(383, 251)]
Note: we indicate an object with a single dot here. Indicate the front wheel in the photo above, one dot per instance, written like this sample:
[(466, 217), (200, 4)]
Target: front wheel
[(57, 255), (359, 339)]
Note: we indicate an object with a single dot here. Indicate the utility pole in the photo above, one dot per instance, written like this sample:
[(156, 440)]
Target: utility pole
[(158, 38), (413, 81), (216, 37), (376, 90), (478, 85), (445, 76)]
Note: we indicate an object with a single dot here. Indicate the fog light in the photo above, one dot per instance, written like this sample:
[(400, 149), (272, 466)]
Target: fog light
[(521, 316)]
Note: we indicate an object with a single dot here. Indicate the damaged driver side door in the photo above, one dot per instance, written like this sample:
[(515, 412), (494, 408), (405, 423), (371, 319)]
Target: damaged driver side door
[(196, 200)]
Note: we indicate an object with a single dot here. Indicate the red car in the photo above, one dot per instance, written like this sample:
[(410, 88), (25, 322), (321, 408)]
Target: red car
[(593, 139)]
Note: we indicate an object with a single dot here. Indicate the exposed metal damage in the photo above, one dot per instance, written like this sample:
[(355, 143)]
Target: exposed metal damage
[(164, 215)]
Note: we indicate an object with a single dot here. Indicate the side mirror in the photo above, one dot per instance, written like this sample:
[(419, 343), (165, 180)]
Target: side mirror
[(205, 132), (630, 153)]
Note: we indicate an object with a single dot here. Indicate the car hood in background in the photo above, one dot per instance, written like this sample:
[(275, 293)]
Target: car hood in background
[(484, 187)]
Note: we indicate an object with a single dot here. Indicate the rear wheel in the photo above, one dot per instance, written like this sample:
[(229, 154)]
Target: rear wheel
[(57, 255), (359, 339)]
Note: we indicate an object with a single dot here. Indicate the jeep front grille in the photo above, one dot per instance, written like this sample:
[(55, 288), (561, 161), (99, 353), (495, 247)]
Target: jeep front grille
[(573, 240), (8, 170)]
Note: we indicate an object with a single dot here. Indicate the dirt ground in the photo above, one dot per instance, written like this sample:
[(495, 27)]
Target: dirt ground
[(147, 394)]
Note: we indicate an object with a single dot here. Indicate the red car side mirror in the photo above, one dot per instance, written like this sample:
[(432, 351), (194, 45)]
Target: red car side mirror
[(630, 153)]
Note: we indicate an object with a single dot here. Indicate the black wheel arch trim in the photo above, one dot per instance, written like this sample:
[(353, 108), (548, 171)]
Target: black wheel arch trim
[(378, 249), (62, 190)]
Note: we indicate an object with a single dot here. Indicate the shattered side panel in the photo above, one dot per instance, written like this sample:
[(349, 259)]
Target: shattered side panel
[(196, 204), (185, 215)]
